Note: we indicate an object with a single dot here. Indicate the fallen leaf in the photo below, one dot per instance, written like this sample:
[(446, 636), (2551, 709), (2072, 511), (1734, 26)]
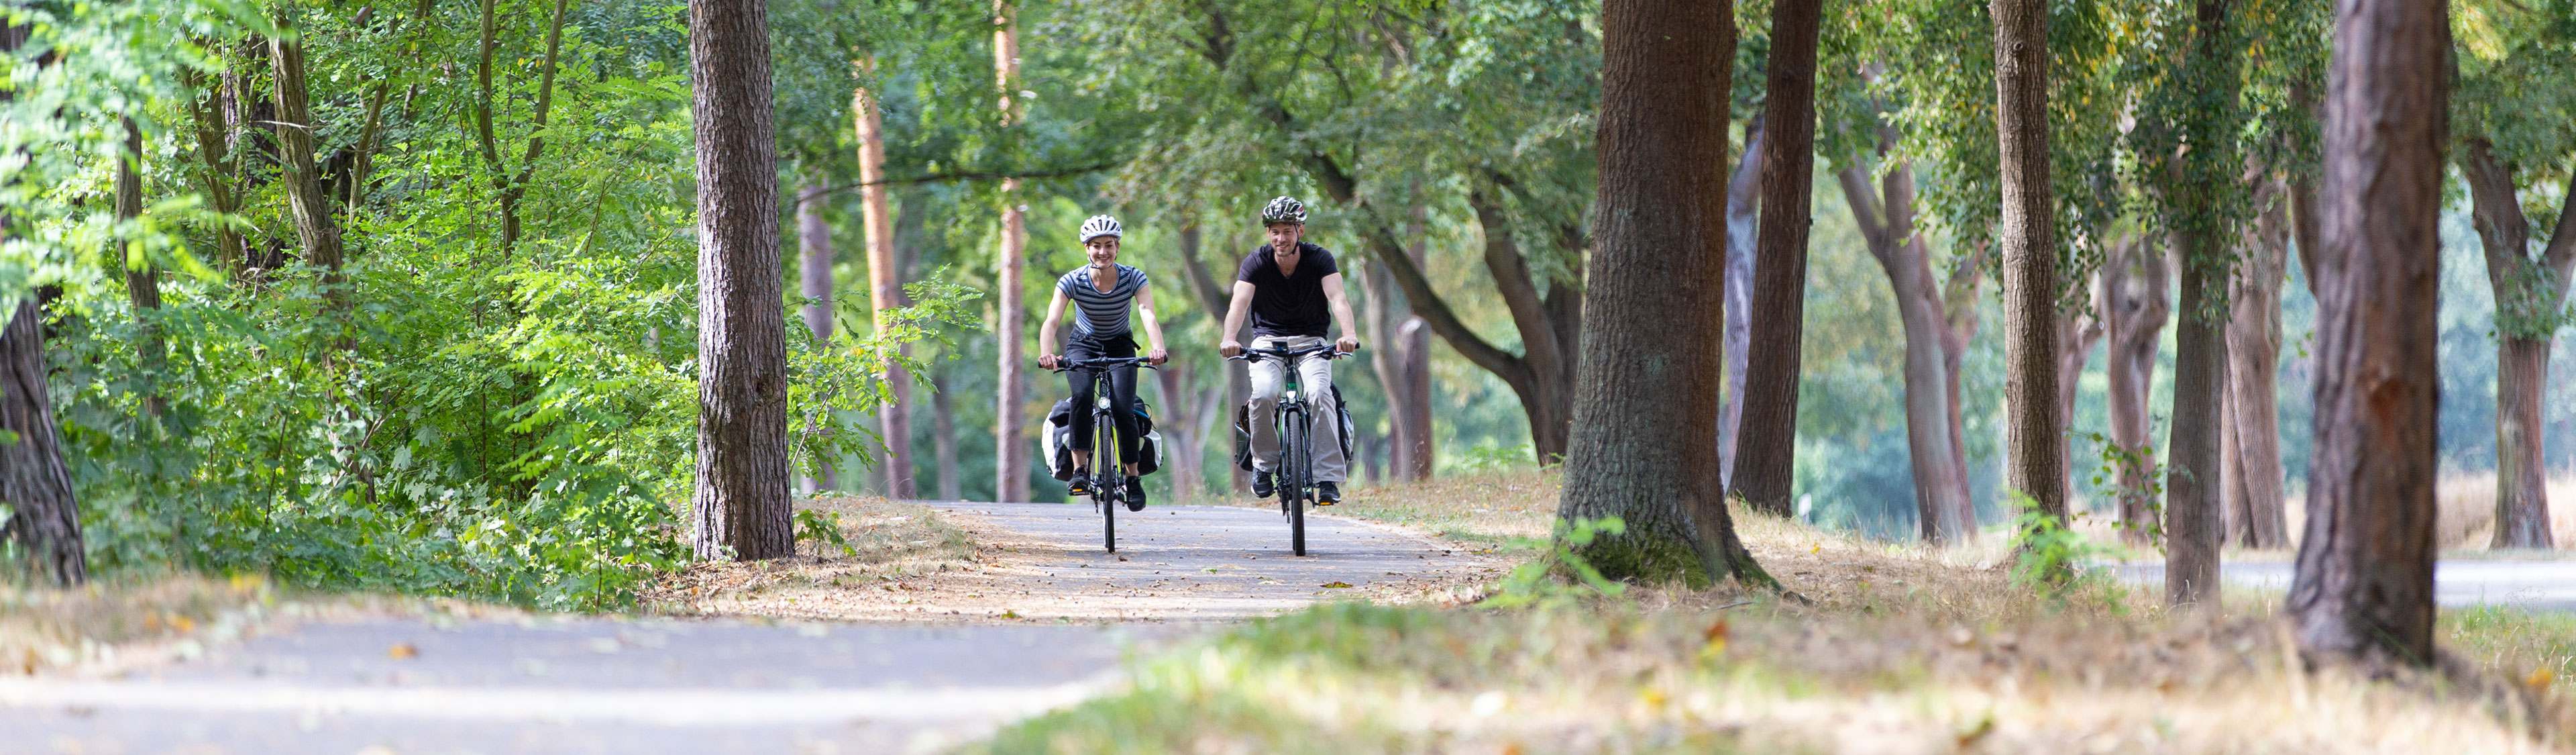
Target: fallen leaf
[(402, 650), (2540, 678), (1337, 584)]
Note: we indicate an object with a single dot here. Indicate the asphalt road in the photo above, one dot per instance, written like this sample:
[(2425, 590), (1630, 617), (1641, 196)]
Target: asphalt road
[(624, 685), (2527, 585)]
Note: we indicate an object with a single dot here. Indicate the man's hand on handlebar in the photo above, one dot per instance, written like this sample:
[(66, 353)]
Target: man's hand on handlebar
[(1229, 348), (1158, 356), (1347, 344), (1049, 361)]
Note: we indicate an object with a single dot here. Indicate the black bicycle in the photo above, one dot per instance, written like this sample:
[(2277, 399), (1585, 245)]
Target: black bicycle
[(1104, 437), (1295, 477)]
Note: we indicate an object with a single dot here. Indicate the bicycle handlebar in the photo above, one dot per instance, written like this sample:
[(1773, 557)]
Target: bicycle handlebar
[(1254, 355), (1102, 363)]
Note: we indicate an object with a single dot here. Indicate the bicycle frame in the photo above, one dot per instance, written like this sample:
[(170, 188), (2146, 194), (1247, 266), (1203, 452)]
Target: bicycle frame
[(1296, 473), (1107, 498)]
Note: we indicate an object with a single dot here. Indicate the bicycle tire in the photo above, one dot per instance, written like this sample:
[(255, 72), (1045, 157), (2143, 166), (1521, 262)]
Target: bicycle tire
[(1293, 489), (1109, 496)]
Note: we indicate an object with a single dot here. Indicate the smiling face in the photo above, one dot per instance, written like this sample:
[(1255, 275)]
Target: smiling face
[(1104, 251), (1284, 237)]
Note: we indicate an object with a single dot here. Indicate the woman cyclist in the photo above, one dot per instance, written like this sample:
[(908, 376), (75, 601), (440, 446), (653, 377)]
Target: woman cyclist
[(1102, 291)]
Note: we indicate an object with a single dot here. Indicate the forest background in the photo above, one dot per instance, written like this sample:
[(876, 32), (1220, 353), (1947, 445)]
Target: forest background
[(404, 297)]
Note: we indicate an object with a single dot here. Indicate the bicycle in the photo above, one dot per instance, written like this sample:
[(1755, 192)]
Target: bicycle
[(1295, 477), (1104, 437)]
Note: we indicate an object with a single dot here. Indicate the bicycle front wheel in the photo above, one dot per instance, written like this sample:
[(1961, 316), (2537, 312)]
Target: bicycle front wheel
[(1112, 491), (1292, 488)]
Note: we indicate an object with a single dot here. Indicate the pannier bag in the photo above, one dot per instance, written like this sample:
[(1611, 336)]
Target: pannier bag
[(1056, 435), (1243, 430)]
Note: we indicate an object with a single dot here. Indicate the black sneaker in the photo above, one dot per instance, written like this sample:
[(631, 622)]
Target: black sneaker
[(1262, 486), (1135, 493), (1080, 485), (1327, 494)]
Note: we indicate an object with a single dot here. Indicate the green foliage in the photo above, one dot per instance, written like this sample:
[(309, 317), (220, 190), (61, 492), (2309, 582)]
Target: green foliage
[(2119, 466), (822, 528), (2046, 555), (1543, 581)]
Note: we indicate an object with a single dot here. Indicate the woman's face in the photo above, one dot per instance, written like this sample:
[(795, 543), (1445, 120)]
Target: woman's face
[(1104, 251)]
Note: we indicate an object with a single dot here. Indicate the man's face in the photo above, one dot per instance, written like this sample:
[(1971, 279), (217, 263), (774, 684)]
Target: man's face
[(1283, 238), (1104, 251)]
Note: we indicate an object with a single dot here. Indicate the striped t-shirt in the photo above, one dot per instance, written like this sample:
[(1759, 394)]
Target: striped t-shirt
[(1102, 314)]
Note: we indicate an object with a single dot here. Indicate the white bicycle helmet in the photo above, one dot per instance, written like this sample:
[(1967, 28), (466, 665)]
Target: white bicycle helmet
[(1284, 210), (1098, 226)]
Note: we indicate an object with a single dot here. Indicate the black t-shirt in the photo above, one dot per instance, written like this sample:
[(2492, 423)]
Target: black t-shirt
[(1289, 304)]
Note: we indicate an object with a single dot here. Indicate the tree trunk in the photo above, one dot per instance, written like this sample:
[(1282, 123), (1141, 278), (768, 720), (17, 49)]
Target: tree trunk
[(2133, 289), (943, 440), (1886, 220), (2530, 294), (2255, 499), (2193, 466), (306, 202), (142, 278), (1743, 214), (2034, 433), (1213, 299), (2363, 591), (1763, 469), (2077, 332), (1543, 397), (215, 163), (1396, 360), (814, 281), (885, 292), (742, 505), (34, 483), (1653, 300), (1010, 436), (1959, 326)]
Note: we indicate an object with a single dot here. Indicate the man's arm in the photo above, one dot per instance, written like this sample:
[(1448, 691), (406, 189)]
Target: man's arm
[(1240, 308), (1341, 306), (1153, 328), (1046, 332)]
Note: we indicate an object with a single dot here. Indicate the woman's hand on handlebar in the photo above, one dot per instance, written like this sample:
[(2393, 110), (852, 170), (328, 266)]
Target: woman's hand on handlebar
[(1158, 356), (1049, 361)]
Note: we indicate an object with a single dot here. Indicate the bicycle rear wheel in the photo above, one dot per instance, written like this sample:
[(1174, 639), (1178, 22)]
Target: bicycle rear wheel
[(1292, 488), (1112, 493)]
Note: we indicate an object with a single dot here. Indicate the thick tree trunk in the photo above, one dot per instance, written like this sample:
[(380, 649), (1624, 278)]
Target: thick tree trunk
[(2255, 499), (2363, 592), (2529, 294), (943, 440), (2193, 464), (1943, 510), (742, 506), (2034, 434), (1743, 218), (1763, 467), (1010, 416), (885, 293), (306, 202), (2133, 289), (1543, 397), (1654, 291), (44, 517), (814, 281)]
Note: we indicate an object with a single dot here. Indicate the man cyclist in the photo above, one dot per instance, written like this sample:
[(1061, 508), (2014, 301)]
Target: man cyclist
[(1293, 292), (1102, 291)]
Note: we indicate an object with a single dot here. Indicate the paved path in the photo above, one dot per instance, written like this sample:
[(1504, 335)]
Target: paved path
[(612, 685), (2528, 585)]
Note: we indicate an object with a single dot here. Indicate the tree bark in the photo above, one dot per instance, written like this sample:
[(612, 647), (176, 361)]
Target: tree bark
[(814, 259), (1763, 469), (306, 202), (1213, 298), (2530, 294), (2193, 464), (43, 511), (215, 163), (142, 278), (2133, 289), (1400, 357), (1943, 510), (1743, 215), (2363, 591), (1010, 416), (885, 292), (1542, 398), (2034, 433), (2255, 498), (1654, 298), (742, 506)]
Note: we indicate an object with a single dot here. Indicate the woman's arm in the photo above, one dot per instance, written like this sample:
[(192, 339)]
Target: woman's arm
[(1046, 332), (1153, 328)]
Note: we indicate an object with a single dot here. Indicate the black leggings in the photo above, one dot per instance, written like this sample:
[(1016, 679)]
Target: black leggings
[(1122, 393)]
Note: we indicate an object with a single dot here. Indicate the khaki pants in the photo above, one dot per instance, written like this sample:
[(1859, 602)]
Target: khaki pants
[(1315, 383)]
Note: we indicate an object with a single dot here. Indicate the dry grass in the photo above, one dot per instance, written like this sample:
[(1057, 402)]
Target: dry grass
[(1490, 507), (1905, 649), (110, 626), (2468, 510), (892, 543)]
